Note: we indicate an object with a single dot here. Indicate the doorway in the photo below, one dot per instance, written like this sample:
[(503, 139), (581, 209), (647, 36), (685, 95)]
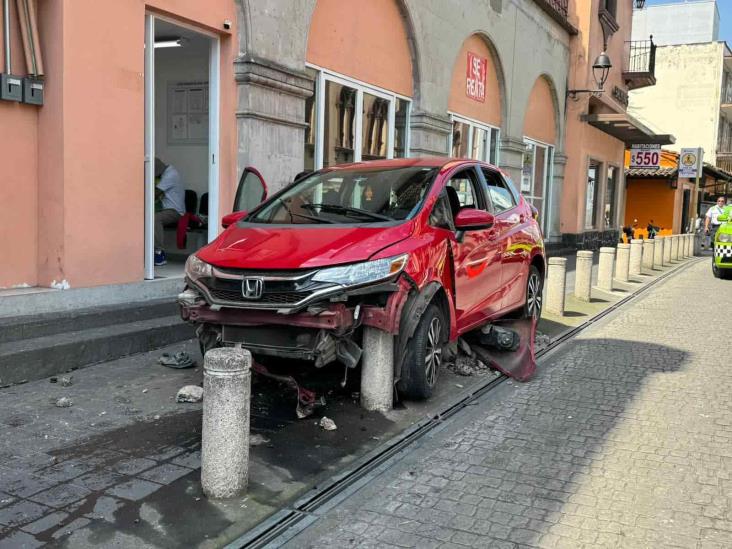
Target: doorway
[(536, 179), (182, 131)]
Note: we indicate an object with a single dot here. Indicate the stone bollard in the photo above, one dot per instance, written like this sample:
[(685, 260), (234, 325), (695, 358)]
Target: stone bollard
[(583, 275), (605, 269), (675, 247), (689, 245), (667, 250), (658, 251), (377, 370), (622, 262), (225, 436), (557, 281), (636, 255), (684, 252), (649, 248)]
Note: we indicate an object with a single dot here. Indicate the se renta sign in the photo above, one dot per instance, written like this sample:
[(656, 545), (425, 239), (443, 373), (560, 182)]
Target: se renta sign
[(645, 156), (475, 80)]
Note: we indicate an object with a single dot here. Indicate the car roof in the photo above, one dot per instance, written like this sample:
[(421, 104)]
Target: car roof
[(442, 162)]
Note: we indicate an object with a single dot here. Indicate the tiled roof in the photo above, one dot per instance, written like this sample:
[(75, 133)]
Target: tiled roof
[(661, 173)]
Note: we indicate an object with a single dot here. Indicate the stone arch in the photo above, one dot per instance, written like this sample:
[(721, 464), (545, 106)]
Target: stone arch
[(496, 115), (538, 124), (318, 18)]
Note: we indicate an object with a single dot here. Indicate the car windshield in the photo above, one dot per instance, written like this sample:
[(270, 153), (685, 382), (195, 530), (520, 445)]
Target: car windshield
[(350, 196)]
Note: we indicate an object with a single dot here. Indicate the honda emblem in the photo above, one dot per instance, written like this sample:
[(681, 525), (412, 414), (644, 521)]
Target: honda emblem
[(252, 288)]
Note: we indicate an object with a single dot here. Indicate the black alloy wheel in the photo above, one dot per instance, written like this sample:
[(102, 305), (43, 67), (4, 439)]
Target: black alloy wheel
[(425, 353)]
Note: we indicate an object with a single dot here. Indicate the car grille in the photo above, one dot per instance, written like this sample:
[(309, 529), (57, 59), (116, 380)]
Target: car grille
[(269, 298)]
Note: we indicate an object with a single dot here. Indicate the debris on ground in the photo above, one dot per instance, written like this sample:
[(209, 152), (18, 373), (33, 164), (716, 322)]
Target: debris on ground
[(541, 341), (256, 439), (53, 379), (467, 366), (190, 393), (177, 360), (64, 402), (66, 381), (327, 424)]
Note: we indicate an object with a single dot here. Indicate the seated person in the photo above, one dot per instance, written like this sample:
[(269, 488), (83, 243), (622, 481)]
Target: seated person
[(169, 193)]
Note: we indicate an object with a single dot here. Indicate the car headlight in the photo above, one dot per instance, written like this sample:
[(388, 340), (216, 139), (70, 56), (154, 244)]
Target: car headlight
[(363, 273), (724, 237), (196, 268)]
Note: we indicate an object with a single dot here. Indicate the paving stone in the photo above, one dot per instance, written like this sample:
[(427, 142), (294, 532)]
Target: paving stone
[(134, 489), (190, 459), (106, 507), (165, 474), (132, 466), (99, 480), (61, 495), (22, 512), (19, 540), (45, 523)]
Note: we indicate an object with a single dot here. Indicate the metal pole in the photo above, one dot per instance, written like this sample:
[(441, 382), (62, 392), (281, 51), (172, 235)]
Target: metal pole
[(6, 34)]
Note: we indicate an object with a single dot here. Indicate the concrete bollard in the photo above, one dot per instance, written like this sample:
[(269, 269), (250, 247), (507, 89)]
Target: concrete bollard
[(557, 281), (658, 252), (649, 248), (636, 256), (684, 251), (605, 269), (667, 250), (689, 245), (622, 262), (583, 275), (377, 370), (675, 247), (225, 437)]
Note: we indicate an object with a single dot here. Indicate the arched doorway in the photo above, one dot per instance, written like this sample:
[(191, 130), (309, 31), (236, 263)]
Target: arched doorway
[(359, 55), (475, 103), (540, 136)]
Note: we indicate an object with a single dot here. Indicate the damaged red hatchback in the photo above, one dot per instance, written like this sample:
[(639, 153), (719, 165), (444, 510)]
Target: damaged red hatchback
[(424, 249)]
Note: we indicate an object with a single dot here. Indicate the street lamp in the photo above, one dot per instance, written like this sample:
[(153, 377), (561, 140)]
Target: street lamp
[(600, 71)]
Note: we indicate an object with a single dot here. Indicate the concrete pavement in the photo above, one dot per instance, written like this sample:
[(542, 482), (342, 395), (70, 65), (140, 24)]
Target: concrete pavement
[(624, 439)]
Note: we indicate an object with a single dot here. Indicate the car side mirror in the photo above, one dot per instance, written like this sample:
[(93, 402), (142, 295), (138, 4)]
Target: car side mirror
[(472, 219), (232, 218)]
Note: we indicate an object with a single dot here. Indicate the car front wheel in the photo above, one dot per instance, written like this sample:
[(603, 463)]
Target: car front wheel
[(534, 294), (424, 356)]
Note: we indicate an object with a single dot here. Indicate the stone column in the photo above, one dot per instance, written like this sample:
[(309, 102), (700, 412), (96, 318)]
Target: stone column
[(622, 262), (429, 134), (636, 255), (658, 251), (377, 370), (667, 250), (648, 254), (557, 281), (583, 275), (605, 269), (225, 435)]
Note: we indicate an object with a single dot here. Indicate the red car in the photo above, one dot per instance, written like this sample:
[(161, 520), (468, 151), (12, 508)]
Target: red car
[(425, 249)]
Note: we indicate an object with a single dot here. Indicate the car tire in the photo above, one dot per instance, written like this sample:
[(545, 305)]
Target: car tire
[(716, 271), (534, 294), (424, 355)]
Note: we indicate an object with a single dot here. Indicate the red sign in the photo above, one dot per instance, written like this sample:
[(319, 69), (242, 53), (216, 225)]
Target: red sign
[(475, 81)]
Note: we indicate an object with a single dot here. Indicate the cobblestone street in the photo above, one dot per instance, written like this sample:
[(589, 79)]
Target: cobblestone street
[(623, 439)]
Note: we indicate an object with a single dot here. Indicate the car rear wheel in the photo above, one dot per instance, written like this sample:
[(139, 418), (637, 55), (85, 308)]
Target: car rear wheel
[(534, 294), (422, 364), (716, 271)]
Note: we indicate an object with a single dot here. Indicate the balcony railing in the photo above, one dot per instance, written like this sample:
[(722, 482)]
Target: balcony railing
[(559, 11), (641, 67)]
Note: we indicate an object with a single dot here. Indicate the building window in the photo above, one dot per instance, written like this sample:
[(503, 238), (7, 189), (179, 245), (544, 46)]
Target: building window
[(593, 174), (474, 140), (610, 209), (536, 177), (348, 121)]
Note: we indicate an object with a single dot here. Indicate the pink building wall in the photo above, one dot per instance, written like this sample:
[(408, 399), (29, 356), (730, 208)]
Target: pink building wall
[(76, 194)]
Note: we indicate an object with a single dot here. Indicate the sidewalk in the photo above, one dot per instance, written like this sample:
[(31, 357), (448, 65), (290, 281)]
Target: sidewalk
[(624, 439)]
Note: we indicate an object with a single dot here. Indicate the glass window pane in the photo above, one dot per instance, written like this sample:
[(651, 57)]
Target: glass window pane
[(495, 143), (460, 139), (609, 209), (480, 145), (527, 173), (539, 173), (310, 129), (401, 127), (591, 203), (375, 127), (338, 125), (500, 195)]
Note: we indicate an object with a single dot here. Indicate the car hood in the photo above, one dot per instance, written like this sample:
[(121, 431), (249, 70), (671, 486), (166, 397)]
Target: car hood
[(255, 246)]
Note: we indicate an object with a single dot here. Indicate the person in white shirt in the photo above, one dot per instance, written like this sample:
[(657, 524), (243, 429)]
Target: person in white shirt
[(711, 221), (170, 193)]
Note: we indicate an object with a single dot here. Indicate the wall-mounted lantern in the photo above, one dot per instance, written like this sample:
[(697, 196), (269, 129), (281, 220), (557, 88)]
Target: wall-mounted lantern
[(600, 71)]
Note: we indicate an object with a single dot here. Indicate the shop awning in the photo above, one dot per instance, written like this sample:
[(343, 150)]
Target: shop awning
[(627, 129)]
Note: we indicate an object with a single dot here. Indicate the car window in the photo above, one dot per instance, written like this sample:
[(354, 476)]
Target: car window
[(441, 216), (466, 185), (498, 191)]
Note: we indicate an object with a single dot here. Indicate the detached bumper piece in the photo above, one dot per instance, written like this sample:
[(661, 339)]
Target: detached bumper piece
[(508, 346)]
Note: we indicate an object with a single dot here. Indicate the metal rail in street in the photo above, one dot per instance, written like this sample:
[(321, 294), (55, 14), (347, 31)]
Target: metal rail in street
[(287, 523)]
